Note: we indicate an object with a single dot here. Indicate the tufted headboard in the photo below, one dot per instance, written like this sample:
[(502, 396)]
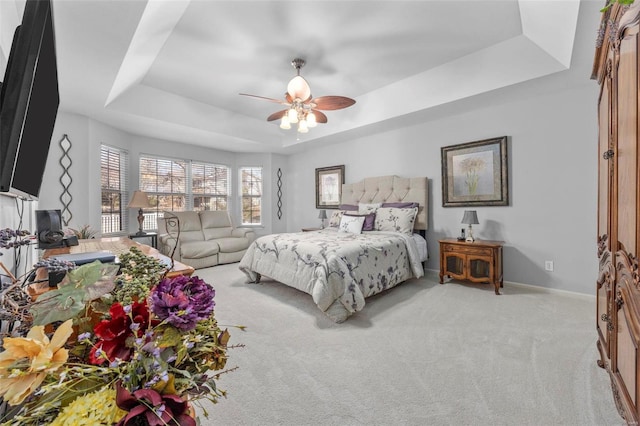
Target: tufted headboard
[(390, 189)]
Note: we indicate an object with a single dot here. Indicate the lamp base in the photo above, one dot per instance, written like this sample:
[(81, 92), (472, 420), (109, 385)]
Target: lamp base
[(469, 238), (140, 222)]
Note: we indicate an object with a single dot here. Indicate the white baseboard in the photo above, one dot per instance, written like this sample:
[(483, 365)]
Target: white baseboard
[(532, 287)]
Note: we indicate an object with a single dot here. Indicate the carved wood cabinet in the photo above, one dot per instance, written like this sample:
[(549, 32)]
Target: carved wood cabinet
[(478, 262), (616, 68)]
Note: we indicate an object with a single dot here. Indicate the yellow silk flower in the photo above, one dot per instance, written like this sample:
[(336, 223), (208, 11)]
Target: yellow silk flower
[(26, 361)]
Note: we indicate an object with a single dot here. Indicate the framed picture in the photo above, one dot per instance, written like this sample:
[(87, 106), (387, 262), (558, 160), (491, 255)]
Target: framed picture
[(329, 182), (475, 174)]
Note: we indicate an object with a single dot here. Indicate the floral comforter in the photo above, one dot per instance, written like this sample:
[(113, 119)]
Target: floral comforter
[(339, 270)]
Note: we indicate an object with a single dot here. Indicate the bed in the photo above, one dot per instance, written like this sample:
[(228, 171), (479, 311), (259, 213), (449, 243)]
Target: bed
[(341, 269)]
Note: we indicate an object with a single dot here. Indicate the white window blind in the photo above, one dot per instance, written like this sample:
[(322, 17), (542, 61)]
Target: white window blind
[(251, 193), (114, 179), (209, 186), (179, 185)]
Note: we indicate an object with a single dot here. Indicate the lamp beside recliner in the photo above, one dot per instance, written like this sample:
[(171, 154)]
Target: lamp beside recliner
[(139, 201)]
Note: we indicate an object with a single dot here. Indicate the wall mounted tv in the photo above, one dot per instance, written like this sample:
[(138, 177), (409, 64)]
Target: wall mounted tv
[(28, 102)]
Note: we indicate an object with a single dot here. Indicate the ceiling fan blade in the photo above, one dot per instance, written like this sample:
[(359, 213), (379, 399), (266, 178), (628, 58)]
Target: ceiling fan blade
[(277, 115), (328, 103), (288, 97), (278, 101), (320, 117)]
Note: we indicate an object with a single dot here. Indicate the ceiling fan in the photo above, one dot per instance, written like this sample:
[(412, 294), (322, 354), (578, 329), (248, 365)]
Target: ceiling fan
[(301, 107)]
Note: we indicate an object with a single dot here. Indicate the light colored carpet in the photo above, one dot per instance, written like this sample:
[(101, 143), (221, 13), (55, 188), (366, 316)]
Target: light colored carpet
[(419, 354)]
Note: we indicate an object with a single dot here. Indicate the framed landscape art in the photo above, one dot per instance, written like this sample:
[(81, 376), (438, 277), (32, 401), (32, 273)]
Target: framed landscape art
[(475, 174), (329, 182)]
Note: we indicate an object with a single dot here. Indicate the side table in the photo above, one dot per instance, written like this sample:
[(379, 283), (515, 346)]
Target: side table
[(152, 235), (479, 261), (310, 229)]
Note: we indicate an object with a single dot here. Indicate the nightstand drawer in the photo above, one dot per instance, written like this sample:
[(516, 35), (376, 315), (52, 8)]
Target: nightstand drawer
[(458, 248)]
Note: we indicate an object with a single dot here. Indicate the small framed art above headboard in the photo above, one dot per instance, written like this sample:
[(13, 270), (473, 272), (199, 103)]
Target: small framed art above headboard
[(390, 189)]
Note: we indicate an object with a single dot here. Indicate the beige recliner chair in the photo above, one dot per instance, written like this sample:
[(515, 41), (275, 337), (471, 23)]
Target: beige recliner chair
[(207, 238)]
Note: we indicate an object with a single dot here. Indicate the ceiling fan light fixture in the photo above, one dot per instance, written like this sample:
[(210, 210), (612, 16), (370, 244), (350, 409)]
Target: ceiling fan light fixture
[(311, 120), (293, 116), (299, 88), (284, 123), (302, 109)]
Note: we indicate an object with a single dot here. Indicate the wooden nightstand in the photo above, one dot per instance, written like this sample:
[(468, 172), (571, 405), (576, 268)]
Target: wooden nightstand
[(478, 262)]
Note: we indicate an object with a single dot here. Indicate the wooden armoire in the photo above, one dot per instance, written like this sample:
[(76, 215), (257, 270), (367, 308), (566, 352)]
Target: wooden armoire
[(617, 70)]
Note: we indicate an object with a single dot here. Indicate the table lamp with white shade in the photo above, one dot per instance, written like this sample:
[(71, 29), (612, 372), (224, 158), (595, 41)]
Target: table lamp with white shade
[(139, 201)]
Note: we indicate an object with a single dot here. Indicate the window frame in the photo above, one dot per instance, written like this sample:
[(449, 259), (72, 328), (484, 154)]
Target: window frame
[(188, 194), (241, 196), (122, 192)]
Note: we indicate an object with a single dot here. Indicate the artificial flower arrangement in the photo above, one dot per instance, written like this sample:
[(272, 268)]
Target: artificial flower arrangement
[(128, 347)]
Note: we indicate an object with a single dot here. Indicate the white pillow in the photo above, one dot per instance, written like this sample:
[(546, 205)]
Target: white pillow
[(351, 224), (364, 208), (395, 219)]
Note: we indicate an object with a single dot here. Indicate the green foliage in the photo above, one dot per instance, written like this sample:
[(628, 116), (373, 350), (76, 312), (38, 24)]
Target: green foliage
[(139, 274), (612, 2), (83, 233), (80, 286)]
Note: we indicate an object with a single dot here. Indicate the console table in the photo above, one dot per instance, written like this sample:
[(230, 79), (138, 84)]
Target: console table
[(115, 245), (119, 245), (153, 236)]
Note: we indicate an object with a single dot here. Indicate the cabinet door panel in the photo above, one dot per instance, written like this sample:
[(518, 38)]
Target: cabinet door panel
[(604, 166), (602, 315), (480, 268), (627, 150), (454, 265), (626, 356)]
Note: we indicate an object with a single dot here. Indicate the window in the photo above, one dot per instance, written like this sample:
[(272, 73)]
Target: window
[(113, 187), (165, 183), (251, 192), (209, 186), (179, 185)]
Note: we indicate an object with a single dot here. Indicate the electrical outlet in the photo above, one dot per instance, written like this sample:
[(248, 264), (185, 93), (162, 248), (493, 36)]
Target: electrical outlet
[(548, 265)]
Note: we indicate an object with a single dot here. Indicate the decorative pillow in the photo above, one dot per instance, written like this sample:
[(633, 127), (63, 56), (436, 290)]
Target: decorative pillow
[(369, 220), (400, 205), (348, 207), (334, 221), (364, 208), (395, 220), (351, 224)]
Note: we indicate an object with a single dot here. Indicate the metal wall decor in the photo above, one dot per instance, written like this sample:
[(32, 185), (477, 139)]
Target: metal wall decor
[(65, 180), (279, 194)]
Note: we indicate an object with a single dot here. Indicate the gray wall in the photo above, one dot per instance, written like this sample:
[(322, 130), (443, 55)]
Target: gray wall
[(553, 181), (553, 175), (552, 165), (86, 135)]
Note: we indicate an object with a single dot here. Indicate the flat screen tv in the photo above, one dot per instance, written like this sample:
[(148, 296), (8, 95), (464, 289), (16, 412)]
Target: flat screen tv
[(28, 102)]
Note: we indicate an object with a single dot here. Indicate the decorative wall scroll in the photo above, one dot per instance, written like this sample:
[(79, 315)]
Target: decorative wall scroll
[(65, 180), (279, 194)]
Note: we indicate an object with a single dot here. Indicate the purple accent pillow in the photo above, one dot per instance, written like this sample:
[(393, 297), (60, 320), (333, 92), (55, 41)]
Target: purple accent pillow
[(348, 207), (369, 220), (401, 205)]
